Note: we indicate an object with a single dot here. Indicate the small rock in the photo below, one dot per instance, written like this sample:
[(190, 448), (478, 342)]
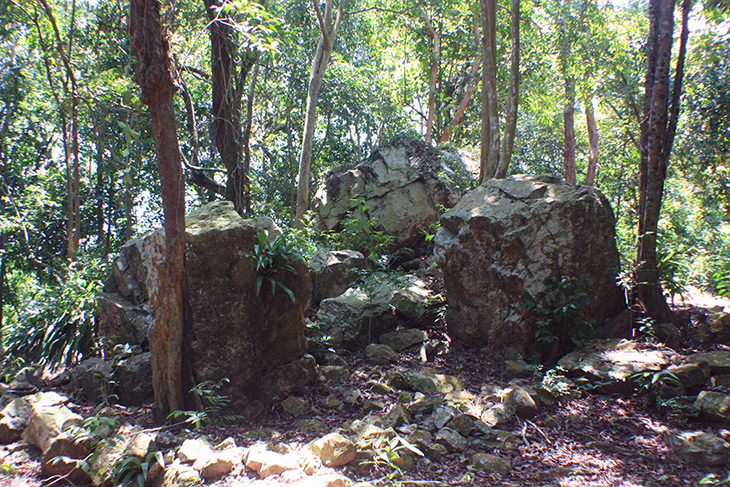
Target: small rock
[(295, 406), (440, 417), (59, 458), (333, 449), (350, 396), (221, 463), (451, 439), (425, 405), (379, 387), (518, 368), (381, 354), (333, 375), (485, 462), (698, 447), (193, 449), (714, 405), (13, 419), (134, 379), (266, 463), (399, 416), (520, 401), (404, 397), (464, 424), (178, 474), (401, 339), (424, 381), (310, 425), (371, 405), (498, 414), (93, 377), (719, 361), (330, 402)]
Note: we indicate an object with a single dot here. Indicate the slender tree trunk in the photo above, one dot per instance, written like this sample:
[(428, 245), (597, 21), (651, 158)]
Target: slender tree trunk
[(489, 159), (170, 334), (513, 96), (319, 67), (247, 140), (100, 172), (657, 136), (593, 144), (569, 107), (468, 92), (433, 81)]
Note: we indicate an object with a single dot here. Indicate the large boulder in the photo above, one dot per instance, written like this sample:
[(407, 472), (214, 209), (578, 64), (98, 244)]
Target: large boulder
[(501, 243), (238, 333), (403, 185)]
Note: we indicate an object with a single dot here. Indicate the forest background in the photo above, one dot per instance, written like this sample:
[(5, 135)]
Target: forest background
[(77, 160)]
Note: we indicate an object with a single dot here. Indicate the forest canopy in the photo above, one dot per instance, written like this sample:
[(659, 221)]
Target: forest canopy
[(79, 167)]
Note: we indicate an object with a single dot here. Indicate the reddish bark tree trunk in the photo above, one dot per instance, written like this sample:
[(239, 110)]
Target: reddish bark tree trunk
[(170, 334), (657, 135)]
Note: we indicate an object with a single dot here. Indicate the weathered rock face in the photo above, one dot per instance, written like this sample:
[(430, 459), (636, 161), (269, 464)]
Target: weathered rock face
[(236, 334), (363, 313), (500, 243), (400, 184), (333, 272)]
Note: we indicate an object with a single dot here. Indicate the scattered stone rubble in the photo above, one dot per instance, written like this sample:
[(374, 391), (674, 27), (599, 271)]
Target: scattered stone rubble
[(434, 416)]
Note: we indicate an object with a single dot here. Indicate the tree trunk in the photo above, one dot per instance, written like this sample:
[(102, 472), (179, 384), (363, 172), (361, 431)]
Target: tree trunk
[(435, 63), (468, 92), (593, 144), (569, 108), (513, 97), (489, 157), (657, 136), (169, 337), (247, 141), (319, 67), (227, 92), (101, 235)]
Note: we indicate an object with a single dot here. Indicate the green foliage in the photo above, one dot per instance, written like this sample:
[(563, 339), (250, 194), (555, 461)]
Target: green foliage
[(132, 471), (560, 313), (359, 231), (213, 403), (713, 479), (274, 257), (319, 343), (722, 282), (56, 323), (126, 469), (387, 457)]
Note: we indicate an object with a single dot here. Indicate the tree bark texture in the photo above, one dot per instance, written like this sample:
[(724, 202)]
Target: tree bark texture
[(657, 136), (319, 68), (513, 95), (590, 178), (489, 158), (433, 80), (228, 82), (569, 107), (170, 334)]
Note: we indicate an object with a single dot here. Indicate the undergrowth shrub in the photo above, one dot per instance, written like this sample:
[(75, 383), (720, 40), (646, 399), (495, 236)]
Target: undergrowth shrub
[(56, 323), (560, 312)]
